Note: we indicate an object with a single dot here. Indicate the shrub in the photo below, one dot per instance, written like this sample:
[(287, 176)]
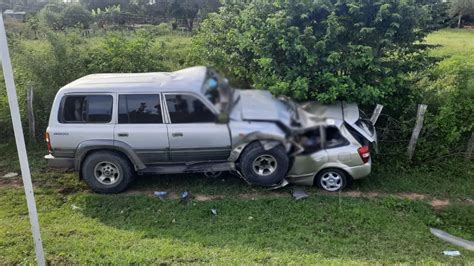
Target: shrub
[(320, 50)]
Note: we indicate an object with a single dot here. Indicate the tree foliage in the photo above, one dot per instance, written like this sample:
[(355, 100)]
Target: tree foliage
[(323, 50)]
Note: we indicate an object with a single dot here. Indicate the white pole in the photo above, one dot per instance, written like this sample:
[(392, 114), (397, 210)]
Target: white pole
[(20, 143)]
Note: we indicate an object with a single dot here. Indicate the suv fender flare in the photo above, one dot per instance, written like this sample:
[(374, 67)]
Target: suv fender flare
[(268, 142), (90, 145)]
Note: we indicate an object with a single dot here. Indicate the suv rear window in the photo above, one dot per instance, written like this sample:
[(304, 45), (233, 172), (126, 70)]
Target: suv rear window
[(140, 109), (86, 109)]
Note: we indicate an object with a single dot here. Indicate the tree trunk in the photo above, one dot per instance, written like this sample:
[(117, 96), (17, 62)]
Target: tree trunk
[(459, 20)]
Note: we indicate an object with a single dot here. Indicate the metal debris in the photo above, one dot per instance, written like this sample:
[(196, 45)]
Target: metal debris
[(453, 239), (283, 183), (299, 194), (184, 198), (161, 194), (451, 253), (11, 174)]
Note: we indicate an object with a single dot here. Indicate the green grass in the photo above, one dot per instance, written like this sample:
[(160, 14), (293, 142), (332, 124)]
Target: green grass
[(135, 227), (143, 229), (459, 42)]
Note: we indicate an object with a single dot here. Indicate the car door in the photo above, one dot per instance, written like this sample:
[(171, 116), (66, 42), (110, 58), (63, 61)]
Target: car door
[(141, 126), (192, 131)]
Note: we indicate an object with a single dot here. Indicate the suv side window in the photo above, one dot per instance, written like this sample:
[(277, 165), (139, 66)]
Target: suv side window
[(334, 138), (140, 109), (86, 109), (184, 108)]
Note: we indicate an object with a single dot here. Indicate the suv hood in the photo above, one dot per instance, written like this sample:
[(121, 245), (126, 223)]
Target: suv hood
[(260, 105)]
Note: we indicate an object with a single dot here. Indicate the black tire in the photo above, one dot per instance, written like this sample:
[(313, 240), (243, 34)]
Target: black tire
[(255, 151), (339, 179), (100, 160)]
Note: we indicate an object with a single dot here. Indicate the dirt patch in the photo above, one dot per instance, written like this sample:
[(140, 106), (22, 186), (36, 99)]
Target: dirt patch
[(259, 195), (11, 182), (202, 197), (439, 203)]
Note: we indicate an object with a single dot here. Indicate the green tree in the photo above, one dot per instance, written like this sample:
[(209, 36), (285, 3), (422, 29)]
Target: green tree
[(461, 8), (323, 50), (76, 15)]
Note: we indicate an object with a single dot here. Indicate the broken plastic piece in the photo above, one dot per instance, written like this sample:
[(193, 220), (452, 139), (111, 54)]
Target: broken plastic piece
[(11, 174), (214, 211), (161, 194), (451, 253), (453, 239), (299, 194)]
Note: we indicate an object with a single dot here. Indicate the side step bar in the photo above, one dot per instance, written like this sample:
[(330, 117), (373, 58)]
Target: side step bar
[(198, 167)]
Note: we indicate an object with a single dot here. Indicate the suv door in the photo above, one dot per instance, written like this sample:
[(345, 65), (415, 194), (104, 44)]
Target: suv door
[(140, 125), (193, 132)]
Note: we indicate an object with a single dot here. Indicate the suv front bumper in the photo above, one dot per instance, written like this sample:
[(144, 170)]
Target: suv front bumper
[(64, 163)]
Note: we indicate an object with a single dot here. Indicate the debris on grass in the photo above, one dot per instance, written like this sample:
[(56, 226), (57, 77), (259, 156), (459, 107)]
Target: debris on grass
[(161, 194), (451, 253), (214, 212), (184, 197), (453, 239), (250, 218), (299, 194), (10, 175), (74, 207)]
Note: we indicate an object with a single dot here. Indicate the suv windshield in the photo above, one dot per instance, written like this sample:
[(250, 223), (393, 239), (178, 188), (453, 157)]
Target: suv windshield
[(217, 91)]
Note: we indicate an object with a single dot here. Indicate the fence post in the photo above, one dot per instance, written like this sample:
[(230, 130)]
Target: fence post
[(420, 116), (470, 147), (376, 114), (31, 114)]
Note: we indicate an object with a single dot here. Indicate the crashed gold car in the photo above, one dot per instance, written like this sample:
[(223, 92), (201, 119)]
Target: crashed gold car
[(112, 127)]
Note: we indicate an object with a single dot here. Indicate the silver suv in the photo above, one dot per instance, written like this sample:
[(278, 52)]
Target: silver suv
[(111, 127)]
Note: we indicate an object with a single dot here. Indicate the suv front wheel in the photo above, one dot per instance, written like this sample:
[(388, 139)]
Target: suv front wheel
[(107, 172), (264, 167)]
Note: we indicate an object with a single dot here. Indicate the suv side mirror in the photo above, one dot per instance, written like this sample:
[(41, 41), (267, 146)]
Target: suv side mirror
[(222, 118)]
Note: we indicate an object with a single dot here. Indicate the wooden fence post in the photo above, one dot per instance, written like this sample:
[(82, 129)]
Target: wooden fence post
[(376, 114), (420, 116), (31, 114), (470, 147)]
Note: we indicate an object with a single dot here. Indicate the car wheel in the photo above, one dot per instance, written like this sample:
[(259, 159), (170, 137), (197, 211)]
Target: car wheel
[(331, 180), (264, 167), (107, 172)]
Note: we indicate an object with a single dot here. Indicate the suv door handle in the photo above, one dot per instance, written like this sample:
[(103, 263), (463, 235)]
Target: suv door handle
[(177, 134), (122, 134)]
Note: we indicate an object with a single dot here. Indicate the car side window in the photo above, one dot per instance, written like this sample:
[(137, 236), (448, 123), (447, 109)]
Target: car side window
[(334, 138), (184, 108), (140, 109), (86, 109)]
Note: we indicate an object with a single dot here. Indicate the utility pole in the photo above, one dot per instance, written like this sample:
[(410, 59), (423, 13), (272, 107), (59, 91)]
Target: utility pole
[(20, 143)]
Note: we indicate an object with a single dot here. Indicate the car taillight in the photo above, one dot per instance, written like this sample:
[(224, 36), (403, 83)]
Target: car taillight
[(364, 153), (48, 142)]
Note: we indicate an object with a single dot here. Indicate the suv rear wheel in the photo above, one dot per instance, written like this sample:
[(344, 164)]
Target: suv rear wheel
[(107, 172), (264, 167)]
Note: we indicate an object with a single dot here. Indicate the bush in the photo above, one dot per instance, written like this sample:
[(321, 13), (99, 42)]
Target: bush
[(351, 50), (76, 16)]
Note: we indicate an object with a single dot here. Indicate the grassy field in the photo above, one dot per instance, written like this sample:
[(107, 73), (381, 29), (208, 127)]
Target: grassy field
[(383, 219)]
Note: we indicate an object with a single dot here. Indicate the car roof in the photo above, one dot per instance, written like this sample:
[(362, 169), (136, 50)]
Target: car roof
[(188, 79)]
